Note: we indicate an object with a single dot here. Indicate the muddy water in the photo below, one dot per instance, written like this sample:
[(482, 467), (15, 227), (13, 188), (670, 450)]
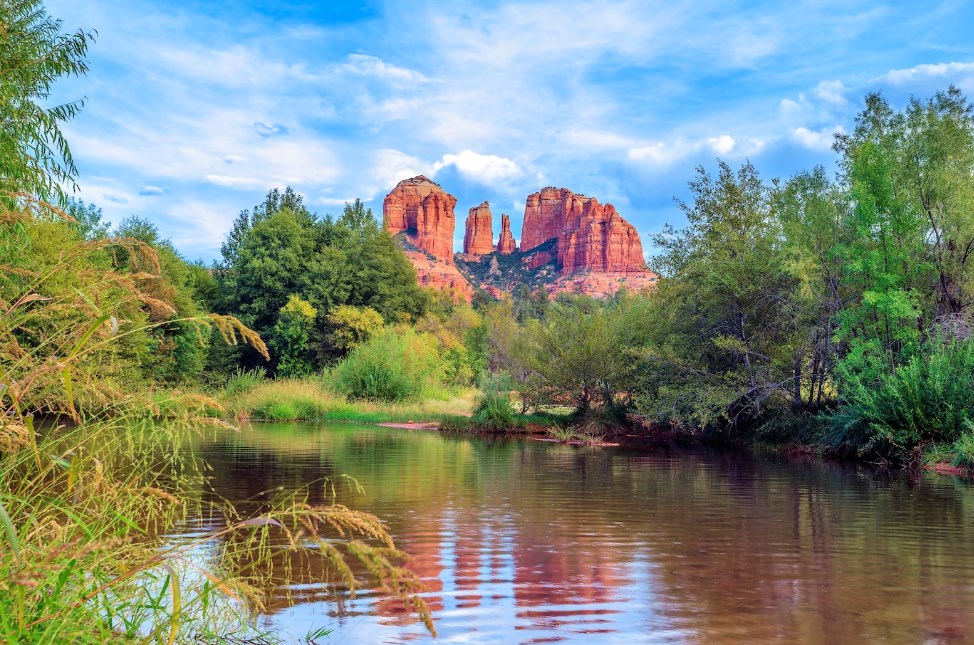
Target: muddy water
[(530, 542)]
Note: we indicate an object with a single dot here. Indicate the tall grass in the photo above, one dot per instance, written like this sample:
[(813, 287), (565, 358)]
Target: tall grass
[(316, 401), (89, 481)]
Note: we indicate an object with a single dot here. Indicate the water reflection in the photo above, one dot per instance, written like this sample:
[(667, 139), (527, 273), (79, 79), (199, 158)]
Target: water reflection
[(531, 542)]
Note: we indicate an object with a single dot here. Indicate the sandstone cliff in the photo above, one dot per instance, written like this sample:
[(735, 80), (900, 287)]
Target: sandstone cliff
[(506, 245), (589, 235), (479, 237), (423, 211), (569, 243)]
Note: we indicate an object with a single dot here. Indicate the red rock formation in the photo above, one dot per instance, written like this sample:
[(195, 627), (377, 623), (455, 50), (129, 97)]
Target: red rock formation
[(505, 244), (479, 237), (545, 213), (439, 274), (423, 211), (590, 235), (602, 241)]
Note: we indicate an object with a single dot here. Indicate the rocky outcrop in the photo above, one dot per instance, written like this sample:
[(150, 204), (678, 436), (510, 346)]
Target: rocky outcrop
[(423, 211), (506, 244), (441, 275), (479, 237), (569, 243), (590, 235), (545, 213), (600, 240)]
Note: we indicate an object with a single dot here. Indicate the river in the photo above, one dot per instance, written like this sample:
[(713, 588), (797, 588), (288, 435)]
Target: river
[(522, 541)]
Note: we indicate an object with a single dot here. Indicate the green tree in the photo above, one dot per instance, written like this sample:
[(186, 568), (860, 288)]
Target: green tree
[(34, 53), (725, 318), (351, 326), (291, 338)]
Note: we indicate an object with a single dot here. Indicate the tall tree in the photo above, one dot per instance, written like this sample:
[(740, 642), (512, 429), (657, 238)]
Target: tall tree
[(35, 52)]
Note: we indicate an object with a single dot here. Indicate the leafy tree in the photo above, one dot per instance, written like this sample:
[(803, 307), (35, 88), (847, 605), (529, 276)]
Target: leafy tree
[(351, 326), (291, 338), (34, 53), (723, 332), (87, 220)]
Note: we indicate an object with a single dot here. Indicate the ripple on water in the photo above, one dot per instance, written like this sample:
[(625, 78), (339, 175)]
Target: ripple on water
[(532, 542)]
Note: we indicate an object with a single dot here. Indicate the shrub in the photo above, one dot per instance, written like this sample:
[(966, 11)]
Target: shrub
[(393, 365), (927, 399), (244, 380), (494, 412)]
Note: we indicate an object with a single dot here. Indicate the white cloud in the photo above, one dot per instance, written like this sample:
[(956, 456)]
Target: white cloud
[(151, 190), (832, 92), (663, 153), (236, 182), (364, 65), (657, 153), (937, 70), (722, 145), (392, 166), (486, 169), (816, 139)]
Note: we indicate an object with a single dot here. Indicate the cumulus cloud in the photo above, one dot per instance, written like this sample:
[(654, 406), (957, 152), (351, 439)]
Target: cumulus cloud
[(722, 145), (832, 92), (921, 72), (486, 169), (816, 139), (391, 166), (663, 153)]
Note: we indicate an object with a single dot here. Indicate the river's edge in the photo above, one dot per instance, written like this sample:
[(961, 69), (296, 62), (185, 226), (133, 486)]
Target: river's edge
[(643, 438)]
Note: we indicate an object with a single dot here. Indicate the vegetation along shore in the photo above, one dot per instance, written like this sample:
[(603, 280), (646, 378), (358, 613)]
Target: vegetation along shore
[(815, 312)]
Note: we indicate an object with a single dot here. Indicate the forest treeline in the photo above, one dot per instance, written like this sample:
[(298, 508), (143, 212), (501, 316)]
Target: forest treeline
[(829, 307), (833, 309)]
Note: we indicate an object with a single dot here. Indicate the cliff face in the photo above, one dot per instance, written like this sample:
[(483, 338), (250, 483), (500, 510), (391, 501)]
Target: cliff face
[(423, 211), (569, 242), (544, 215), (506, 245), (590, 235), (602, 241), (479, 237)]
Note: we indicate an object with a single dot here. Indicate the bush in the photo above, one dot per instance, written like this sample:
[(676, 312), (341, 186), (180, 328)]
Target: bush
[(926, 400), (244, 380), (494, 412), (393, 365)]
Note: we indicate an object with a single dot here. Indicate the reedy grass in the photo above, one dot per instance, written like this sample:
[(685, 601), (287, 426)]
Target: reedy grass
[(310, 399), (84, 506)]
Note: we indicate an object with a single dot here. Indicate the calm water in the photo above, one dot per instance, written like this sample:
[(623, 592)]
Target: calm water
[(531, 542)]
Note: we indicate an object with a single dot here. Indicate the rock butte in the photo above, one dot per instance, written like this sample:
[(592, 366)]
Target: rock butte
[(423, 211), (593, 248), (479, 237), (506, 245)]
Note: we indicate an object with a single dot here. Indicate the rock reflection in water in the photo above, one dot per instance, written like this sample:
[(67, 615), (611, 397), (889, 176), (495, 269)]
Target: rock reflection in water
[(522, 541)]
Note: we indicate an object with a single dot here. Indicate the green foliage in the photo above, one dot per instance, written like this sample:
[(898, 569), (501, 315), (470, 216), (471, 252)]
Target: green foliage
[(34, 54), (393, 365), (350, 326), (494, 411), (584, 350), (925, 400), (291, 337), (963, 448), (282, 249)]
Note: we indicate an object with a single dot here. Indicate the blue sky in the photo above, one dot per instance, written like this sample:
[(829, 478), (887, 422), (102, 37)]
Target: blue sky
[(196, 109)]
